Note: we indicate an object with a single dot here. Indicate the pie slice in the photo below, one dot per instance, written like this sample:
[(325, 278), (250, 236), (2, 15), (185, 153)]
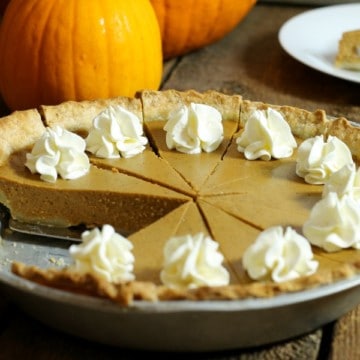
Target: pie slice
[(149, 242), (194, 168), (99, 197), (348, 54), (233, 236)]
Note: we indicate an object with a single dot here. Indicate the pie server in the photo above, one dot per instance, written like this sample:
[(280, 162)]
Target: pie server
[(6, 221)]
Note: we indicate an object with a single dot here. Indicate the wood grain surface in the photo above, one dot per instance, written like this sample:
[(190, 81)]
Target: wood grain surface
[(249, 61)]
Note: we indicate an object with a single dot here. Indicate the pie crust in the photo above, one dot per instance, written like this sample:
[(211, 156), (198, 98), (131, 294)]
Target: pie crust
[(163, 193)]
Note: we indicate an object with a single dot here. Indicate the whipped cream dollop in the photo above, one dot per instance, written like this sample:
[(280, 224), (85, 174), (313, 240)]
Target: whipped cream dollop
[(344, 181), (195, 128), (266, 135), (58, 152), (116, 132), (279, 255), (104, 253), (318, 159), (334, 223), (193, 261)]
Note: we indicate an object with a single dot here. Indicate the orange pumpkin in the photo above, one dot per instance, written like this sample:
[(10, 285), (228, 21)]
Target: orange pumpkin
[(3, 5), (57, 50), (187, 25)]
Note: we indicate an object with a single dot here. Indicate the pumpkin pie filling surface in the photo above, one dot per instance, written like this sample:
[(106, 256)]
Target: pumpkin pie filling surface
[(162, 193)]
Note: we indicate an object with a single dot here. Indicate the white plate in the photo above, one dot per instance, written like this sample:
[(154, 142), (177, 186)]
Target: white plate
[(170, 326), (312, 37)]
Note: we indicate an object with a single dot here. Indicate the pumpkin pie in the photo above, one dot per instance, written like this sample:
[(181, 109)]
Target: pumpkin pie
[(348, 54), (162, 193)]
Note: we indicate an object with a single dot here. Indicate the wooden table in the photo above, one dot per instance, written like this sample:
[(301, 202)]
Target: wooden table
[(249, 61)]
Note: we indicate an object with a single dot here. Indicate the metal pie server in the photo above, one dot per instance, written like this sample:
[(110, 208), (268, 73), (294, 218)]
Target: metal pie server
[(6, 221)]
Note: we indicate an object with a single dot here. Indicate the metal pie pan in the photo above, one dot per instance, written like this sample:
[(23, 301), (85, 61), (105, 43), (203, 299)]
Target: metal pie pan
[(168, 325)]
